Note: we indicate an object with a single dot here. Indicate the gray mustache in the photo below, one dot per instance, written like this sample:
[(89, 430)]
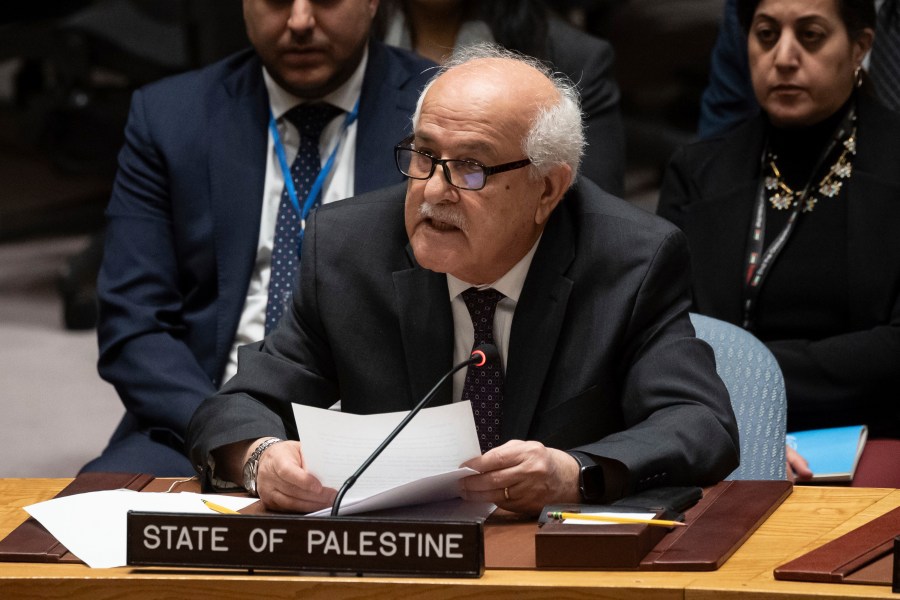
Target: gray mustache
[(443, 213)]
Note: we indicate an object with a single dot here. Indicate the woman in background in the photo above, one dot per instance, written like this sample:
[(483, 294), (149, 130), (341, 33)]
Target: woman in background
[(434, 28), (793, 218)]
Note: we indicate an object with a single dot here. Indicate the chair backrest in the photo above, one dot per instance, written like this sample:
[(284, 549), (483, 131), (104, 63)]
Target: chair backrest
[(756, 386)]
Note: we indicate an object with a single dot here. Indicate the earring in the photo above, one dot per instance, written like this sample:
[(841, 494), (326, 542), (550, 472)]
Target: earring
[(858, 76)]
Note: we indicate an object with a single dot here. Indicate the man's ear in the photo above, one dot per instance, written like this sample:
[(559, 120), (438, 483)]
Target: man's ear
[(556, 181)]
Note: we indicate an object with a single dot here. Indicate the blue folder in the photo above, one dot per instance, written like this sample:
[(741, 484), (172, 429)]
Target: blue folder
[(832, 453)]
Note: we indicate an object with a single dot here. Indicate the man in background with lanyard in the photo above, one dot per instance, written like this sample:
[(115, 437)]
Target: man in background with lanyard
[(218, 173)]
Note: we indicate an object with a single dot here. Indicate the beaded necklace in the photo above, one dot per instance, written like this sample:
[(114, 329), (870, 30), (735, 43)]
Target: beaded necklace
[(782, 197)]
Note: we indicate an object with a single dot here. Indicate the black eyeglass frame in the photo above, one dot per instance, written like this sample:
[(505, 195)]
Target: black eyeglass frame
[(487, 170)]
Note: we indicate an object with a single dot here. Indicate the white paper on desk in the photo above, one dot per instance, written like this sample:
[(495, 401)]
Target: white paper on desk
[(576, 521), (424, 458), (92, 525)]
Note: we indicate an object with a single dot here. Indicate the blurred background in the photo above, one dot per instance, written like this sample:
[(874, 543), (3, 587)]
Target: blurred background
[(67, 70)]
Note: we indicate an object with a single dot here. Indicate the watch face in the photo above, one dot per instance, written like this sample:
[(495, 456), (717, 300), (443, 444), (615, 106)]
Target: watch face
[(592, 483), (250, 476), (251, 468)]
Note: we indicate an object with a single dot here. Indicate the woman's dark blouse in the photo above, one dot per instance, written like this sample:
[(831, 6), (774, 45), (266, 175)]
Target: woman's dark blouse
[(805, 293)]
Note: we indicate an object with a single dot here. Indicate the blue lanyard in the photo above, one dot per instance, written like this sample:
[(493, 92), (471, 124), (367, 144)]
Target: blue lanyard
[(315, 191)]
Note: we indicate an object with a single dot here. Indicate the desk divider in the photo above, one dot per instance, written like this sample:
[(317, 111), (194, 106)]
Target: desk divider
[(864, 555)]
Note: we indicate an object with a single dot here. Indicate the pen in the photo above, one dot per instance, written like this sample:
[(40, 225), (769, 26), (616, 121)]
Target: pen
[(611, 519), (219, 508)]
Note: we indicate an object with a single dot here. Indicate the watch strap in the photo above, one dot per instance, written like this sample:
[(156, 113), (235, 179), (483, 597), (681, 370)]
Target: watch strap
[(251, 467)]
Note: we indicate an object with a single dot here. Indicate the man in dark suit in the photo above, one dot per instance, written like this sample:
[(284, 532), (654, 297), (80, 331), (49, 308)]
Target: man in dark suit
[(601, 388), (192, 217)]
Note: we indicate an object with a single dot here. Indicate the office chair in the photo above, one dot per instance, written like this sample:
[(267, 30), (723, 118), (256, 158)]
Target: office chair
[(756, 386)]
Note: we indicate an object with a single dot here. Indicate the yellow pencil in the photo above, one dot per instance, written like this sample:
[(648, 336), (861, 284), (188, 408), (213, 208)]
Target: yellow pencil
[(219, 508), (611, 519)]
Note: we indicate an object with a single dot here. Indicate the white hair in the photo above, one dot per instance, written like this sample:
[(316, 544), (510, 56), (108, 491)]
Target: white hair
[(556, 135)]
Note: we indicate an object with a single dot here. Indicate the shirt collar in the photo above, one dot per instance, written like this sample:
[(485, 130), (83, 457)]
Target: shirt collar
[(344, 97), (510, 284)]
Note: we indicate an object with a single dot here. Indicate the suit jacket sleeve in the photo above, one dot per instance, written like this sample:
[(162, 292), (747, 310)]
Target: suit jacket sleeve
[(680, 428), (142, 352), (845, 378), (293, 363)]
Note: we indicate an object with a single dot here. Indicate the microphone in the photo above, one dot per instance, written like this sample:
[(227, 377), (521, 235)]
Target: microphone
[(481, 355)]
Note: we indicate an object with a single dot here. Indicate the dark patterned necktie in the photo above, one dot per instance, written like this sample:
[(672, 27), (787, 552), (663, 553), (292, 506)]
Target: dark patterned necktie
[(310, 120), (885, 60), (484, 385)]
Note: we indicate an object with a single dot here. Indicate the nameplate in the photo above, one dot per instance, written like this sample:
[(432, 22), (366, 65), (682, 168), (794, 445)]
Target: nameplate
[(355, 545)]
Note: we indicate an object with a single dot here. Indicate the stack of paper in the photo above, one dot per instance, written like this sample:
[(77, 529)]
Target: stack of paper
[(420, 465)]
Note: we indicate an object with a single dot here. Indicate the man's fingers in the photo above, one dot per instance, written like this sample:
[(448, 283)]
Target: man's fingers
[(493, 480), (526, 476), (304, 496), (284, 485), (501, 457), (278, 501)]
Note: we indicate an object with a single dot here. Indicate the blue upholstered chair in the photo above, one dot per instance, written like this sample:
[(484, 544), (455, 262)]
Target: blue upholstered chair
[(756, 386)]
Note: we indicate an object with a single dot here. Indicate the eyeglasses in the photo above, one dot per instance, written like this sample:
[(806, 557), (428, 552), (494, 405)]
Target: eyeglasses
[(464, 174)]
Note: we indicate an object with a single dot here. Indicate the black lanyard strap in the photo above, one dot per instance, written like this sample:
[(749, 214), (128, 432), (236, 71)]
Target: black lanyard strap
[(759, 261)]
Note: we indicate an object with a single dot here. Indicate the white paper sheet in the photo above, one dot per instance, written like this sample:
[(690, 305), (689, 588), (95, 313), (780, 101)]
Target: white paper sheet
[(92, 525), (435, 488), (420, 465), (335, 444), (455, 509)]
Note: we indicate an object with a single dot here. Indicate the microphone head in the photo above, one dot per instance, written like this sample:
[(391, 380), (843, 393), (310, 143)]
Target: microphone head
[(484, 353)]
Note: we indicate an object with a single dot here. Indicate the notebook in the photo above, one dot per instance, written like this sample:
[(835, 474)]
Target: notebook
[(832, 453)]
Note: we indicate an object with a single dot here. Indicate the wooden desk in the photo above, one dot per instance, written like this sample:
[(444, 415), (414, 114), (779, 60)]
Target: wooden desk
[(807, 519)]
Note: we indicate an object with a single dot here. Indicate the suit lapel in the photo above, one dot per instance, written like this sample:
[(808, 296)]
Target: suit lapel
[(426, 328), (237, 168), (384, 112), (537, 323)]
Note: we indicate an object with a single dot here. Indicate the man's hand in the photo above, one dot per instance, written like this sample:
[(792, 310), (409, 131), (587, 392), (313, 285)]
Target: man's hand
[(523, 477), (797, 467), (285, 485)]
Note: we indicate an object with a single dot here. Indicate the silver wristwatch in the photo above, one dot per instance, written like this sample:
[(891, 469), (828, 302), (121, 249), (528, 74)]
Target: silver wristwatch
[(251, 467)]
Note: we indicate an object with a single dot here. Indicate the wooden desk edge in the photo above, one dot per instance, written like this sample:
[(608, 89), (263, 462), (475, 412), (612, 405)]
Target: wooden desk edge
[(36, 580)]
